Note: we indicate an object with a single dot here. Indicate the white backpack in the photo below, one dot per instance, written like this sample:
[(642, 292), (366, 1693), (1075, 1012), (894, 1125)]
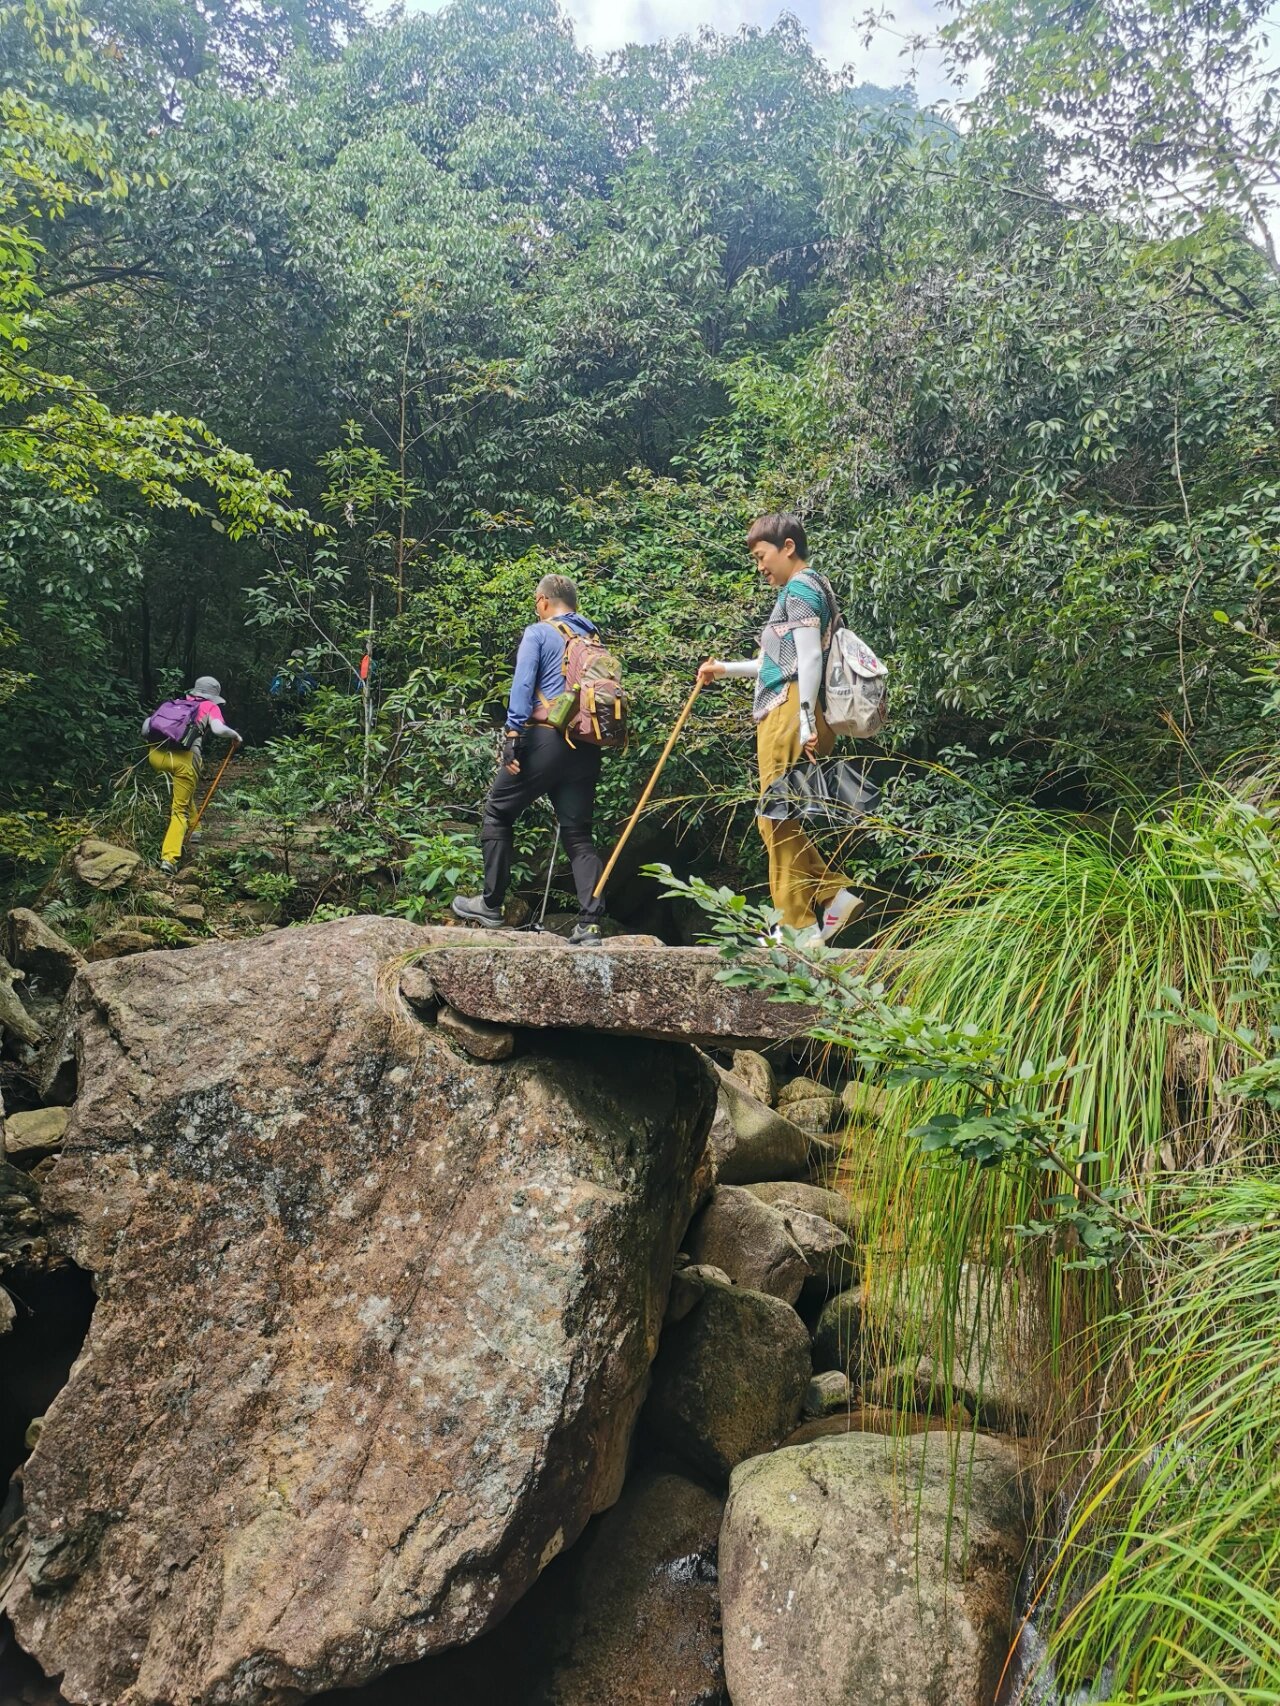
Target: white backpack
[(855, 686)]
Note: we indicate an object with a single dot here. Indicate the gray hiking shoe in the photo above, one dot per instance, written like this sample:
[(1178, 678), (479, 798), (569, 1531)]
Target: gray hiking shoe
[(471, 909), (584, 935)]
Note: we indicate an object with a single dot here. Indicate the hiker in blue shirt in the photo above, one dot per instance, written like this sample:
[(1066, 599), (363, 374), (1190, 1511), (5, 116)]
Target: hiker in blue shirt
[(539, 673), (291, 689), (536, 760)]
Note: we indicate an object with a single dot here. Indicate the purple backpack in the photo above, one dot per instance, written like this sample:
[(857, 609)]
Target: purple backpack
[(174, 723)]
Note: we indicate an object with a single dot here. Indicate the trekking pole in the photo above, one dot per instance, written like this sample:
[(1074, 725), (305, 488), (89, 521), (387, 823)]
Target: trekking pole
[(213, 788), (649, 787), (546, 893)]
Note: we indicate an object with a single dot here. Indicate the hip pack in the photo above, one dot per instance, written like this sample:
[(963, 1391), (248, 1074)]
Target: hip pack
[(174, 725)]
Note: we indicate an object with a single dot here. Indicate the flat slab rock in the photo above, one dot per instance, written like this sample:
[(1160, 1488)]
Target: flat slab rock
[(374, 1321), (633, 991)]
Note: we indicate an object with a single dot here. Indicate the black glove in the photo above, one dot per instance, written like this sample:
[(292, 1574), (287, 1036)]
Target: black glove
[(509, 754)]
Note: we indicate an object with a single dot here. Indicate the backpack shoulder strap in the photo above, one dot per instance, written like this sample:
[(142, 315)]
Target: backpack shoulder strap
[(566, 633), (829, 594)]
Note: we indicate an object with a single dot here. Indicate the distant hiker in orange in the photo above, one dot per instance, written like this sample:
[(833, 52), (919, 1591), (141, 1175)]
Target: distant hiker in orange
[(176, 731)]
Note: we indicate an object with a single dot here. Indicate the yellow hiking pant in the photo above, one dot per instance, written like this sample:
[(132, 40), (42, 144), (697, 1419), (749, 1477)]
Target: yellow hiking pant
[(183, 771), (800, 879)]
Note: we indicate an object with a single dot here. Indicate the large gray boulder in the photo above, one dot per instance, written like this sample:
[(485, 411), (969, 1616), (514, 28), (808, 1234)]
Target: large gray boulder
[(102, 865), (30, 1136), (848, 1578), (751, 1142), (374, 1319), (767, 1248), (845, 1340), (476, 1038), (756, 1073), (838, 1207), (810, 1105), (828, 1394), (639, 1618), (729, 1380), (629, 1617), (750, 1242), (118, 944)]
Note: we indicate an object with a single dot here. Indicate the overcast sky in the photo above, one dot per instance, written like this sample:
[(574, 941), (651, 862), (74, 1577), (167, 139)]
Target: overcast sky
[(605, 24)]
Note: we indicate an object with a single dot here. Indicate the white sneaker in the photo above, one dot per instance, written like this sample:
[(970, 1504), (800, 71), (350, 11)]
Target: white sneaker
[(838, 912)]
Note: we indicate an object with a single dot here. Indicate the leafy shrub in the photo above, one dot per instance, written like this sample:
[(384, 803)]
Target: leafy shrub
[(434, 867)]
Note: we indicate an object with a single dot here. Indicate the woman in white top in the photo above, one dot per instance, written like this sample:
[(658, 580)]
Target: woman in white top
[(788, 716)]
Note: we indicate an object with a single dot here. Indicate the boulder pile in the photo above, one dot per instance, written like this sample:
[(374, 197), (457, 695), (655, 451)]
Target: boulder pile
[(418, 1255)]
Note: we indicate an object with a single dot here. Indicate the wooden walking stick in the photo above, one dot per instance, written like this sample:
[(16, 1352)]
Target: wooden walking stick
[(213, 788), (649, 786)]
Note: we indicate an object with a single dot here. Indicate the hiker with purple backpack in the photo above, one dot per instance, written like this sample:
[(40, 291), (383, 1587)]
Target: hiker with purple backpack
[(176, 731)]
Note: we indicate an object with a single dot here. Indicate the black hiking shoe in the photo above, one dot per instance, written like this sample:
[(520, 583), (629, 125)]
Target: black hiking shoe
[(471, 909), (586, 935)]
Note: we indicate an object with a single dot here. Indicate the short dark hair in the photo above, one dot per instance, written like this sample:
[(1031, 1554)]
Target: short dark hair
[(776, 530), (559, 589)]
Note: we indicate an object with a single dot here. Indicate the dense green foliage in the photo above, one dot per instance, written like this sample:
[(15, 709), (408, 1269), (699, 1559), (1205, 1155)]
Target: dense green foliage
[(497, 306)]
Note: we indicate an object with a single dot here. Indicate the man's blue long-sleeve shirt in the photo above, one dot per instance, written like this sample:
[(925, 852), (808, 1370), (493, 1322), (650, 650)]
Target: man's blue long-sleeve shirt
[(540, 666)]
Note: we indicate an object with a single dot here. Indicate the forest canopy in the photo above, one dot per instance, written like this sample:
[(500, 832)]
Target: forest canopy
[(323, 336)]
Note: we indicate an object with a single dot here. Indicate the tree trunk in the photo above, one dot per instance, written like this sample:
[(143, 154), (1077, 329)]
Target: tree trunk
[(146, 675), (190, 629)]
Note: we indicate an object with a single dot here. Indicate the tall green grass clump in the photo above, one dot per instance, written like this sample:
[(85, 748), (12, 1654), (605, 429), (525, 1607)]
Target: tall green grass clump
[(1065, 938), (1141, 953), (1069, 1177), (1164, 1583)]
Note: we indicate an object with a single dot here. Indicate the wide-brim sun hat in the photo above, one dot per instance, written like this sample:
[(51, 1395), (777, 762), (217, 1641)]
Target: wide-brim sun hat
[(207, 687)]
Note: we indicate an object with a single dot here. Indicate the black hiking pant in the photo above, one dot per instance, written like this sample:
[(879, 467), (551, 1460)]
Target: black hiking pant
[(567, 775)]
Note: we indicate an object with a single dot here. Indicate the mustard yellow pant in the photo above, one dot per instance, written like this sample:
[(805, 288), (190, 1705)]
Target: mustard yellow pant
[(800, 879), (182, 770)]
